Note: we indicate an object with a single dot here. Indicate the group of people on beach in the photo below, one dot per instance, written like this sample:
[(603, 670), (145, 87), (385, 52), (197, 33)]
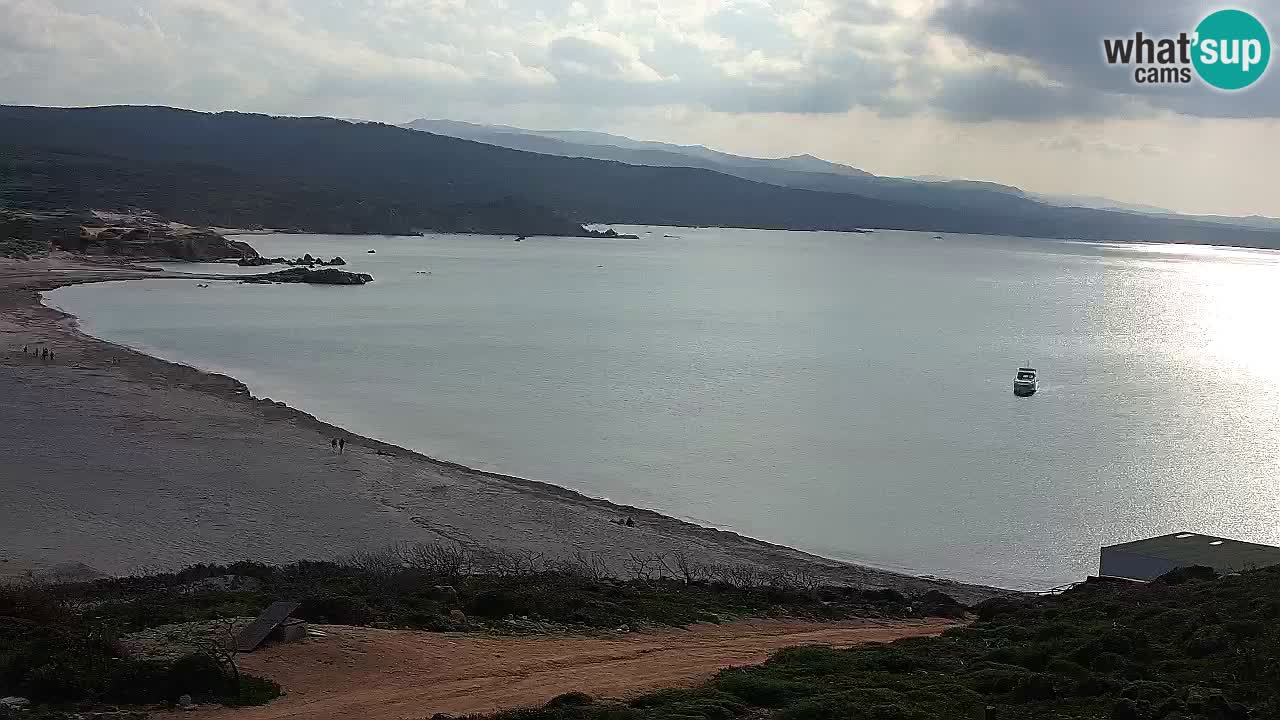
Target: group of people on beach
[(43, 353), (338, 444)]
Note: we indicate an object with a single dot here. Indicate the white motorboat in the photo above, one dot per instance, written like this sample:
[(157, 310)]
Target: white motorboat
[(1025, 382)]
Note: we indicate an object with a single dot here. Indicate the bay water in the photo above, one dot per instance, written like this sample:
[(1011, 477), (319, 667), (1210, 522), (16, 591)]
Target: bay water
[(846, 394)]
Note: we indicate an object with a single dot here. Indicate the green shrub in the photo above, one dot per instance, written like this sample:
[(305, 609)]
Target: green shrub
[(1152, 692), (201, 676), (252, 690), (1208, 641), (51, 653), (334, 610), (495, 604), (755, 688), (570, 699)]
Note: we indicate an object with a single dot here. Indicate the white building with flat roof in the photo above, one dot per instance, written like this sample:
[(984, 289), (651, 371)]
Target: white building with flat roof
[(1151, 558)]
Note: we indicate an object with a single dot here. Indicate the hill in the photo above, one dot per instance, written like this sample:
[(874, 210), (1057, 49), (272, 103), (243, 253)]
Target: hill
[(330, 175), (806, 172), (604, 146), (803, 172)]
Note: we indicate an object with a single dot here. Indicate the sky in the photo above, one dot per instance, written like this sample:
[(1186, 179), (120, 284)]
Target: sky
[(1011, 91)]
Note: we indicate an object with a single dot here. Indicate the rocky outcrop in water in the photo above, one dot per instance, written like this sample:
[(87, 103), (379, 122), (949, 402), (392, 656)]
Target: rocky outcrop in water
[(609, 234), (327, 276), (304, 261)]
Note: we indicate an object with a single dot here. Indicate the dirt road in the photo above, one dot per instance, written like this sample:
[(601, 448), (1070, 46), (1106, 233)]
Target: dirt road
[(390, 674)]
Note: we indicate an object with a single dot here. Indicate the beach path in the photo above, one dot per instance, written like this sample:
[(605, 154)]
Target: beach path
[(393, 674)]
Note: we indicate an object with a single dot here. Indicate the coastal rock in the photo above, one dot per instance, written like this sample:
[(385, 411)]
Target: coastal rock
[(258, 261), (14, 704), (135, 235), (609, 234), (304, 261), (328, 276)]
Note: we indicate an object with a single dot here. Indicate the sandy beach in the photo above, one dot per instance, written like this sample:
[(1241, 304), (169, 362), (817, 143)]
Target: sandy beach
[(124, 463)]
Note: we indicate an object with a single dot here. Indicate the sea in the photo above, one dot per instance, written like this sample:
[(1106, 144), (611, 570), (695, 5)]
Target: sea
[(845, 394)]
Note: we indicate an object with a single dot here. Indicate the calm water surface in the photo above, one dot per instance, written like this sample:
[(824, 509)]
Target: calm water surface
[(845, 394)]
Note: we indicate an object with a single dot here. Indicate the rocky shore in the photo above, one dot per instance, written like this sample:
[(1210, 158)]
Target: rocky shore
[(137, 236), (305, 261), (326, 276)]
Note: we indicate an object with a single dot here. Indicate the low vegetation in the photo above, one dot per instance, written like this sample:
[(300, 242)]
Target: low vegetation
[(1186, 647), (446, 587), (70, 644), (22, 249), (17, 239), (57, 651)]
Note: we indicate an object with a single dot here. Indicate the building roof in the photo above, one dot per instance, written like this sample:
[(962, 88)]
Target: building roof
[(1196, 549)]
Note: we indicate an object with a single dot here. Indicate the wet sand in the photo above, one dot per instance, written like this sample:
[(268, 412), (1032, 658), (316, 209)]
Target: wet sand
[(126, 463)]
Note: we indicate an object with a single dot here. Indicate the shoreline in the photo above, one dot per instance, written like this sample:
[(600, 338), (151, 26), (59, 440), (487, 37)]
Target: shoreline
[(556, 522)]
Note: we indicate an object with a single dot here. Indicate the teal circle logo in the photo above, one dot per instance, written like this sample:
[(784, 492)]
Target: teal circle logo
[(1232, 49)]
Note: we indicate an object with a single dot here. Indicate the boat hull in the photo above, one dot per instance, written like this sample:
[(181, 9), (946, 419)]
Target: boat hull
[(1024, 389)]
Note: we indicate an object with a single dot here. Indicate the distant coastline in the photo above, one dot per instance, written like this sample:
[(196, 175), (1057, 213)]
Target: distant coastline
[(333, 176)]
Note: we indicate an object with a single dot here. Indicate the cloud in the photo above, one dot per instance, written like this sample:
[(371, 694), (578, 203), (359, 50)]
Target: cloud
[(397, 58), (614, 61), (1063, 40), (967, 61), (1077, 144), (1000, 93)]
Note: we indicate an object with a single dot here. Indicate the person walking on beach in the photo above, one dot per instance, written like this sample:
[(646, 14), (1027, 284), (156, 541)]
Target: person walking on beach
[(333, 443), (44, 353), (342, 445)]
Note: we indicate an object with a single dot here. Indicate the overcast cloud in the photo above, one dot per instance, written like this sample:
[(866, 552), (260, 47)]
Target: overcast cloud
[(889, 85)]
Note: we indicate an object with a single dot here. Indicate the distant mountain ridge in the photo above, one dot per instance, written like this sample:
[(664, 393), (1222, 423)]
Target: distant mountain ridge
[(804, 171), (594, 144), (320, 174)]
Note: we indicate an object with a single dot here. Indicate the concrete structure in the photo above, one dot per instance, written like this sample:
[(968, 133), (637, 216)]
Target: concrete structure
[(291, 630), (1151, 558)]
